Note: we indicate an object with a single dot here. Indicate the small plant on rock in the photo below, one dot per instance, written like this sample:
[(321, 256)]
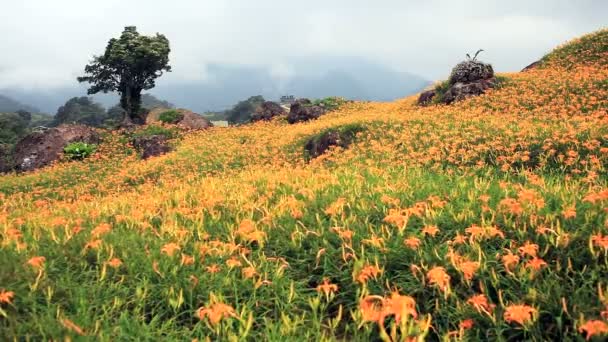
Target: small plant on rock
[(171, 117), (79, 150)]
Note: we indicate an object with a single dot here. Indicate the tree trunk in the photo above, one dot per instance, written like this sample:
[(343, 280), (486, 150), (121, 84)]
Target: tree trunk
[(125, 102)]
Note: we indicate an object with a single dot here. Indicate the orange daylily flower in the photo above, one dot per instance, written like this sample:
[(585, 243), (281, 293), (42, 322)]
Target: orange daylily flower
[(170, 248), (214, 268), (367, 272), (594, 328), (510, 260), (569, 212), (430, 230), (6, 296), (468, 268), (216, 312), (114, 263), (412, 242), (528, 249), (37, 262), (187, 260), (438, 276), (600, 241), (249, 272), (536, 264), (326, 287), (377, 308), (519, 313), (101, 229), (481, 304)]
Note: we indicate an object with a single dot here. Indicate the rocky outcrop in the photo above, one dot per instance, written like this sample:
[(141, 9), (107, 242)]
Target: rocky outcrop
[(303, 110), (41, 148), (267, 110), (471, 71), (426, 97), (151, 146), (339, 136), (461, 91), (469, 78), (189, 119)]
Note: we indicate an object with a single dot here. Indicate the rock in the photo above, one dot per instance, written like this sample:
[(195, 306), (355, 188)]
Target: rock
[(471, 71), (40, 148), (461, 91), (151, 146), (267, 111), (532, 66), (303, 110), (189, 120), (426, 97), (318, 145), (342, 137)]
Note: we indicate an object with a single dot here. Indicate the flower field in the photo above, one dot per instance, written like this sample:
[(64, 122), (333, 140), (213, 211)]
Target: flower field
[(485, 220)]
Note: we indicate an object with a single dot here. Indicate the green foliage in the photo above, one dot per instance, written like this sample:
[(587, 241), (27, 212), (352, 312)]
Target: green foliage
[(79, 150), (242, 111), (171, 117), (330, 103), (151, 130), (440, 90), (81, 110), (129, 65), (12, 127)]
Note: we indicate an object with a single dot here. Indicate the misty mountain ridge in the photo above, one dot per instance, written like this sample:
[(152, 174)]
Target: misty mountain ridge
[(224, 85)]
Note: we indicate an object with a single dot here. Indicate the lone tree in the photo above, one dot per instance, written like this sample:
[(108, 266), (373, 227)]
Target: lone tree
[(130, 65)]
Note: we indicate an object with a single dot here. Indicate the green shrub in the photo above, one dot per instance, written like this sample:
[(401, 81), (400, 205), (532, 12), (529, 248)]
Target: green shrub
[(79, 150), (171, 117), (330, 103), (151, 130)]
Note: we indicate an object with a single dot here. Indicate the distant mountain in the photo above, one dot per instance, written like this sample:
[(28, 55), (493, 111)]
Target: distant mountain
[(49, 100), (9, 105), (351, 78), (224, 85)]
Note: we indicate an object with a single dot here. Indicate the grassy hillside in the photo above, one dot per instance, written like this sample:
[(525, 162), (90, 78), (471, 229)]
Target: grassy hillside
[(485, 220)]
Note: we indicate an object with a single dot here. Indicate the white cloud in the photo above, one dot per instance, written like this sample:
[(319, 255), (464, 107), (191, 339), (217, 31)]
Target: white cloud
[(47, 43)]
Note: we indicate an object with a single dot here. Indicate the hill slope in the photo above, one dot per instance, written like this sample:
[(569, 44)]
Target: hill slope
[(485, 220), (9, 105)]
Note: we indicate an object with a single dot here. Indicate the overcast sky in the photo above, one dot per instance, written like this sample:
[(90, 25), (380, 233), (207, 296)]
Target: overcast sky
[(47, 43)]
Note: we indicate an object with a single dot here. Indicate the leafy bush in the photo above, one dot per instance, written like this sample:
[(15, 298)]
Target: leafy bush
[(79, 150), (330, 103), (171, 117), (151, 130)]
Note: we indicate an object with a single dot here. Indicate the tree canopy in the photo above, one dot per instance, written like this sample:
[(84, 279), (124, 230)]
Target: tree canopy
[(243, 110), (82, 110), (130, 64)]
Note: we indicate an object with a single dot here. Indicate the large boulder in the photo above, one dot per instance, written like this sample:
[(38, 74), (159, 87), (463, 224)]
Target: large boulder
[(341, 136), (267, 111), (303, 110), (40, 148), (189, 119), (461, 91), (151, 146), (426, 97), (469, 78), (471, 71)]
